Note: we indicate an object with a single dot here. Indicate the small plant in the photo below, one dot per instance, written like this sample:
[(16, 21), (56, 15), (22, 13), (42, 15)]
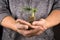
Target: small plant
[(32, 10)]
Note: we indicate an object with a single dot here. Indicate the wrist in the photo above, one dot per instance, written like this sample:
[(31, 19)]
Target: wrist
[(8, 22), (48, 23)]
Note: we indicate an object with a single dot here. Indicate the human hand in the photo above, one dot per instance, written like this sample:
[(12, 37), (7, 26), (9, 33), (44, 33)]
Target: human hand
[(28, 33), (38, 28), (22, 24), (23, 28), (11, 23), (41, 24)]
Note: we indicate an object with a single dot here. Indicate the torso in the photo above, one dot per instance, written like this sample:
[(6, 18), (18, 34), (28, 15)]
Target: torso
[(43, 9)]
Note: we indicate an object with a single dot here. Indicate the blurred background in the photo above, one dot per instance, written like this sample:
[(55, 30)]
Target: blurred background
[(57, 32)]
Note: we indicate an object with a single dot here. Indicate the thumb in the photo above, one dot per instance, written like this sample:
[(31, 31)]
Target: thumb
[(23, 22), (21, 26)]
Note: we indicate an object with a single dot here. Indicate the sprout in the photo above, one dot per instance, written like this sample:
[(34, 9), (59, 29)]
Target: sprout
[(32, 10)]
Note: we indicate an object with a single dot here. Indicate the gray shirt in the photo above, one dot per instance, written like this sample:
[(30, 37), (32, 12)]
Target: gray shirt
[(15, 9)]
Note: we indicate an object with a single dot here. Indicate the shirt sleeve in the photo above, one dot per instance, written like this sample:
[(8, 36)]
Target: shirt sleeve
[(4, 11), (56, 5)]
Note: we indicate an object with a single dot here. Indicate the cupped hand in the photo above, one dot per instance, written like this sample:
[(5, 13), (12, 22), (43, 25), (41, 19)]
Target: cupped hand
[(23, 27), (38, 27), (22, 24), (41, 24)]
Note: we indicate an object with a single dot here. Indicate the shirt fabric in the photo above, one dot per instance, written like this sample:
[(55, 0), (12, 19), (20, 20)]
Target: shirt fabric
[(15, 9)]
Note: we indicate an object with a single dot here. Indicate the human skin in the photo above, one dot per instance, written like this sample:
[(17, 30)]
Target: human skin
[(52, 20), (10, 23), (38, 26)]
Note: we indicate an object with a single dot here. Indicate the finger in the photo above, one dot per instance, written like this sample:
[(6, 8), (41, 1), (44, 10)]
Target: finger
[(35, 23), (28, 32), (39, 23), (23, 22), (40, 26), (23, 32), (40, 32), (33, 27), (21, 26), (41, 29), (32, 32)]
